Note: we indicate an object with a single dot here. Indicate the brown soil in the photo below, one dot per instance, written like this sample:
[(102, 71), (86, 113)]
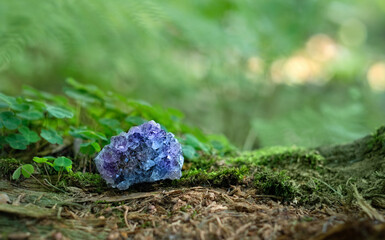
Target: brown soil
[(188, 213)]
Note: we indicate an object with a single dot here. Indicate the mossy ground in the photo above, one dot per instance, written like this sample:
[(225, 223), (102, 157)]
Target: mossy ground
[(349, 179), (91, 182), (8, 166)]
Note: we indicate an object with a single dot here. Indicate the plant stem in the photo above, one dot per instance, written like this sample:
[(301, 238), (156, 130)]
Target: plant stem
[(59, 175), (45, 168), (78, 111)]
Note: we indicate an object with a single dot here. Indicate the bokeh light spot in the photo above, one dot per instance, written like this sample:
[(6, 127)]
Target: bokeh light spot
[(321, 47), (376, 76)]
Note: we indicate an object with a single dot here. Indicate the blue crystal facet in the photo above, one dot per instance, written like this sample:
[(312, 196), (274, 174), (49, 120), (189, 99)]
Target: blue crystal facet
[(145, 153)]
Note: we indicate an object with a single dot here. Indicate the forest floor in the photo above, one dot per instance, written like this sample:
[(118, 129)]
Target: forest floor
[(334, 192)]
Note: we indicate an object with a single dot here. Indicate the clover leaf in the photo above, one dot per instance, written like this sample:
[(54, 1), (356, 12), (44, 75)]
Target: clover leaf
[(13, 103), (45, 160), (189, 152), (28, 134), (90, 148), (195, 143), (17, 141), (135, 120), (40, 160), (59, 112), (27, 170), (31, 115), (16, 174), (9, 121), (51, 136), (62, 162), (7, 99), (111, 123), (84, 133), (20, 107)]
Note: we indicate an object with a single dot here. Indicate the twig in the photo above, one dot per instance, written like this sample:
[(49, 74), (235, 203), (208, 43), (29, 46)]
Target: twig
[(50, 185), (366, 207), (327, 185), (59, 212), (125, 216), (241, 229)]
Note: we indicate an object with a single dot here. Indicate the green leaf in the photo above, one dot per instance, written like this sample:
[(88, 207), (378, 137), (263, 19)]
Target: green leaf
[(62, 162), (31, 115), (29, 91), (88, 88), (7, 99), (20, 107), (96, 146), (13, 103), (189, 152), (37, 105), (111, 123), (81, 96), (87, 134), (16, 174), (195, 143), (28, 134), (135, 120), (45, 160), (59, 112), (17, 141), (175, 113), (51, 136), (40, 160), (9, 121), (27, 170), (89, 148), (3, 105), (50, 158)]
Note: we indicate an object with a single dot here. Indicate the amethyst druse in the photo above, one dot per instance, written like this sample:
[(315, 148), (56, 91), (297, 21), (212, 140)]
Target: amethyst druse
[(145, 153)]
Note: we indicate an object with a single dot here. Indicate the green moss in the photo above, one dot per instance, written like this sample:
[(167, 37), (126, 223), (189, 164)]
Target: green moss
[(377, 141), (88, 181), (274, 183), (278, 157), (8, 166), (204, 163), (219, 178)]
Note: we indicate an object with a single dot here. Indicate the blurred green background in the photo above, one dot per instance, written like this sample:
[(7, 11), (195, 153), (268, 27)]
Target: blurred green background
[(261, 72)]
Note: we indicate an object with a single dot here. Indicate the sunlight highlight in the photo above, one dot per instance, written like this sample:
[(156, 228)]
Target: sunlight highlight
[(301, 69), (376, 76), (309, 65), (321, 47)]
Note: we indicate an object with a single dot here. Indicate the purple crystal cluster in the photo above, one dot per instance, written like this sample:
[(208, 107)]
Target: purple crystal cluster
[(145, 153)]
